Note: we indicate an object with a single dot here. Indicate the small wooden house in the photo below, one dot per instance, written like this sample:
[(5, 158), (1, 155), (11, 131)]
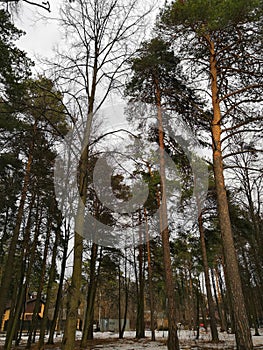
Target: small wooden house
[(27, 313)]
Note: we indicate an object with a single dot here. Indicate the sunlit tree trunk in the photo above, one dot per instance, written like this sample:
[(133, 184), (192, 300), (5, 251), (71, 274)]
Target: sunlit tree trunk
[(242, 330)]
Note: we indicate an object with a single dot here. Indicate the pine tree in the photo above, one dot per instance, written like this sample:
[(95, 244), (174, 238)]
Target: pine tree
[(220, 39)]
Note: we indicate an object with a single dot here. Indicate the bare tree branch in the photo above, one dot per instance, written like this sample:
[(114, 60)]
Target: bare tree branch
[(44, 5)]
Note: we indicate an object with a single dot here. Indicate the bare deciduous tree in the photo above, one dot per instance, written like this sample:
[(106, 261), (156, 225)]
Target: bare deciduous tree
[(100, 38)]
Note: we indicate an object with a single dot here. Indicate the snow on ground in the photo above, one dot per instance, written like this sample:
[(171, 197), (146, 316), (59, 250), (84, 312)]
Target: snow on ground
[(110, 341), (186, 338)]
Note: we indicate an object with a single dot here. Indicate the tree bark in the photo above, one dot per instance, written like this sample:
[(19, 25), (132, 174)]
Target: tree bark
[(33, 326), (173, 341), (68, 342), (52, 274), (140, 325), (25, 253), (223, 326), (126, 282), (250, 291), (150, 282), (8, 271), (197, 313), (242, 330), (60, 289), (211, 306), (92, 288)]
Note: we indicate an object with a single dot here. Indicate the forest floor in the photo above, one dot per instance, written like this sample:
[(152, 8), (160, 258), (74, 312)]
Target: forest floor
[(110, 341)]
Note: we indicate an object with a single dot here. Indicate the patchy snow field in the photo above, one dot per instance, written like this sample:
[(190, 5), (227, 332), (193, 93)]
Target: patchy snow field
[(110, 341), (187, 341)]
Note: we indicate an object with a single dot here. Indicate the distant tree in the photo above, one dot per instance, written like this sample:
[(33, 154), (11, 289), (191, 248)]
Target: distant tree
[(244, 165)]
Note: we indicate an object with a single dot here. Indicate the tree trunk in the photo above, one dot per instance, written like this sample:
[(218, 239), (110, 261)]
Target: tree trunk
[(25, 253), (173, 341), (150, 282), (73, 303), (4, 238), (197, 313), (60, 289), (140, 325), (211, 306), (253, 216), (68, 342), (250, 291), (119, 299), (9, 338), (8, 271), (15, 309), (242, 330), (122, 330), (223, 326), (224, 299), (33, 326), (92, 289), (52, 275)]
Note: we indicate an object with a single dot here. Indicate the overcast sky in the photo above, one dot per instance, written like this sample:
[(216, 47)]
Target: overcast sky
[(42, 31), (41, 27)]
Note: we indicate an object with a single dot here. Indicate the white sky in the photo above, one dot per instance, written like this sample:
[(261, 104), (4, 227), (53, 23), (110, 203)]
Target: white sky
[(41, 27), (42, 31)]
